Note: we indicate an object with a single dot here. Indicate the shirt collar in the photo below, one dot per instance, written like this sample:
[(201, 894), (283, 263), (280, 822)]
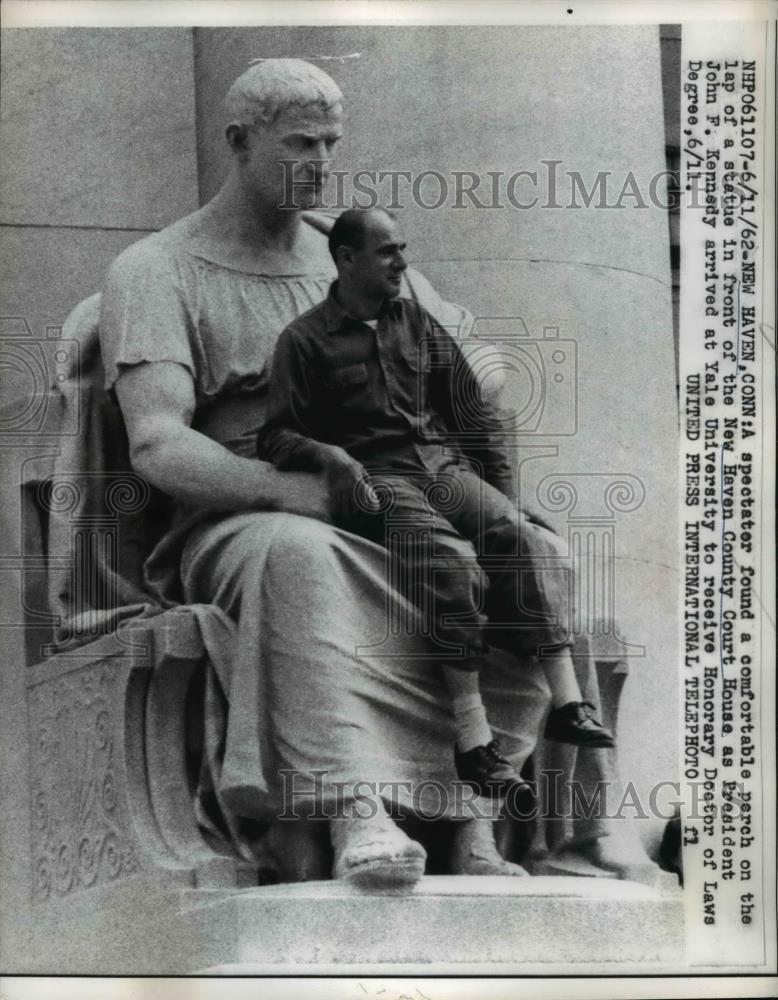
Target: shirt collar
[(335, 317)]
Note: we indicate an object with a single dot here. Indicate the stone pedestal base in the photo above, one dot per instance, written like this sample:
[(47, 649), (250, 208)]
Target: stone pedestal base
[(448, 919)]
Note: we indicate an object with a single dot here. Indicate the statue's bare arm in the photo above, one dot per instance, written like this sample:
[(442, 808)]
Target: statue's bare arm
[(157, 402)]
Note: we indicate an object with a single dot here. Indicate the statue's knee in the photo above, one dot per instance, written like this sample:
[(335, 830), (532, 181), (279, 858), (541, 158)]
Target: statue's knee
[(298, 539)]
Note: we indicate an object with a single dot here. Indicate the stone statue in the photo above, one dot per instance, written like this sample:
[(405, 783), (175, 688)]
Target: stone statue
[(326, 706)]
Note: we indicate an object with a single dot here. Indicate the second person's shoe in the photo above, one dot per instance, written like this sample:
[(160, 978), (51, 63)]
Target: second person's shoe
[(574, 723), (485, 771)]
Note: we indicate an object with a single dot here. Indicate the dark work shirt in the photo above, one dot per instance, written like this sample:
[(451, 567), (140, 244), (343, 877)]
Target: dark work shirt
[(392, 396)]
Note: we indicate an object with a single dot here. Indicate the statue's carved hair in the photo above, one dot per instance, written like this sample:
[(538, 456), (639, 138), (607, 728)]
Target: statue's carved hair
[(272, 86)]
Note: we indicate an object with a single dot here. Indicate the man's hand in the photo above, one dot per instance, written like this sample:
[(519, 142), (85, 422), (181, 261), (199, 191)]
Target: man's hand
[(348, 482), (303, 493)]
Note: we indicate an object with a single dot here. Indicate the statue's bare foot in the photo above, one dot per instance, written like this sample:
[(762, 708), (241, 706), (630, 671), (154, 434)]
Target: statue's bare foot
[(474, 852), (373, 852), (616, 854), (611, 856)]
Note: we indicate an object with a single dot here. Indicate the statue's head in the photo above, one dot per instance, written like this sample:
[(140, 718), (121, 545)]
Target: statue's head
[(285, 119), (274, 87)]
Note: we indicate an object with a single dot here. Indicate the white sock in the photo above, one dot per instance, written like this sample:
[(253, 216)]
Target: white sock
[(470, 718)]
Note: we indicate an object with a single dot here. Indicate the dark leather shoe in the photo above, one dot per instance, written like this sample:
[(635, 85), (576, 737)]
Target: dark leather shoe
[(485, 771), (574, 723)]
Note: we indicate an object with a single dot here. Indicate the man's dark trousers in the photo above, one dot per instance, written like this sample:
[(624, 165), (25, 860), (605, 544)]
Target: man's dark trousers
[(459, 551)]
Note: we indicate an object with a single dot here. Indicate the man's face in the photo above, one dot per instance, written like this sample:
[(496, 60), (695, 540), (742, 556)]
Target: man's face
[(376, 267), (305, 136)]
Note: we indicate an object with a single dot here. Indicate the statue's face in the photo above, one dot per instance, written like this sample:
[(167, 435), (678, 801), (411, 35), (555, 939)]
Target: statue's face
[(290, 160)]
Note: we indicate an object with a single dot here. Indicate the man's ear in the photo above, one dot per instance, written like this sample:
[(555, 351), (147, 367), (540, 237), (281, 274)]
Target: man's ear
[(237, 137), (344, 254)]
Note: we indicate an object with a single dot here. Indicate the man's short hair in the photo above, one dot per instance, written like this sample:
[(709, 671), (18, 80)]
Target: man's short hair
[(349, 229), (273, 86)]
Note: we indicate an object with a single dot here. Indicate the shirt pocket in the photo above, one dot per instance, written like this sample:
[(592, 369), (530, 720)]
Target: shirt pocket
[(417, 357)]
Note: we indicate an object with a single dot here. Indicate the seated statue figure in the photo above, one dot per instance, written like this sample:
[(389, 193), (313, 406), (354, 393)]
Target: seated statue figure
[(329, 697)]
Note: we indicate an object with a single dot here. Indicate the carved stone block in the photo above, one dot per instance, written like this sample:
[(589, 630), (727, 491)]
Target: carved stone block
[(81, 820)]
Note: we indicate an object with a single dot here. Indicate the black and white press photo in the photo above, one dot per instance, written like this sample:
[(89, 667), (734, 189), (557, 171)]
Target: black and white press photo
[(386, 428)]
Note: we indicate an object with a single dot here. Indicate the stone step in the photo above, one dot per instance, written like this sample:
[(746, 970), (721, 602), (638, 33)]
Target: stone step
[(444, 920)]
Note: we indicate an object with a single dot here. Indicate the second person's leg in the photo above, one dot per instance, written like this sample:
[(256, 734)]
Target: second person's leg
[(527, 606), (438, 571)]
